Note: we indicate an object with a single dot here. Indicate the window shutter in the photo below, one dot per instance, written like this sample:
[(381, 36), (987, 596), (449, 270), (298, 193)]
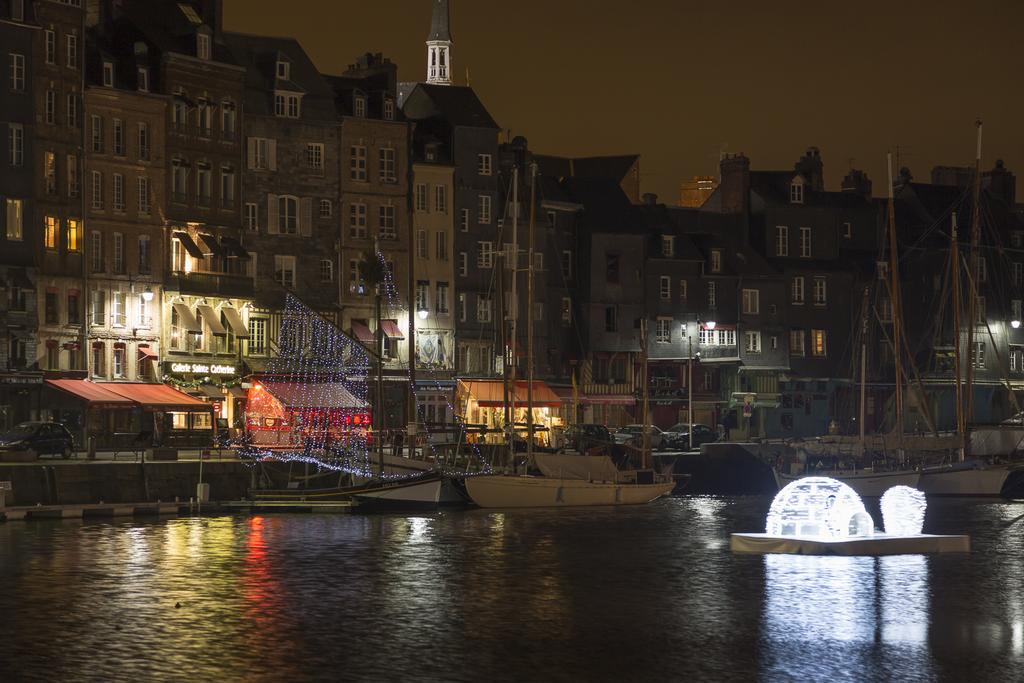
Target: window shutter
[(272, 228), (272, 153), (250, 159), (306, 216)]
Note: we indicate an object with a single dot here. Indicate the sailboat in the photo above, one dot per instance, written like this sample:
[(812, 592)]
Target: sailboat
[(560, 480)]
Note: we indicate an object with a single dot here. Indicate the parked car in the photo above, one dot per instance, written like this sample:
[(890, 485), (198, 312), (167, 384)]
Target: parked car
[(634, 434), (42, 438), (580, 437), (679, 436)]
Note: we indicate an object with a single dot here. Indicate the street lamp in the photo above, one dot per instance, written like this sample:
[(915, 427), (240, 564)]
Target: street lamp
[(710, 324), (422, 313), (147, 295), (1015, 324)]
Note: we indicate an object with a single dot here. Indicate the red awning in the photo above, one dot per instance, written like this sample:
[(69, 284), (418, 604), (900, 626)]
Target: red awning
[(490, 394), (391, 329), (146, 353), (362, 333), (91, 393), (156, 396)]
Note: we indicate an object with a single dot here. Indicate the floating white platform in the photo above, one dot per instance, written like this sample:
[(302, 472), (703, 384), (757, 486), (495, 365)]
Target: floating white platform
[(880, 544)]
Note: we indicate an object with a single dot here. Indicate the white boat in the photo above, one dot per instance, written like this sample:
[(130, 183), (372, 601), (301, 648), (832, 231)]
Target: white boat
[(964, 479), (430, 491), (866, 484), (569, 481)]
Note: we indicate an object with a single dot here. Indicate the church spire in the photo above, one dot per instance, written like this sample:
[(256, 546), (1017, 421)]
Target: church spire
[(439, 46)]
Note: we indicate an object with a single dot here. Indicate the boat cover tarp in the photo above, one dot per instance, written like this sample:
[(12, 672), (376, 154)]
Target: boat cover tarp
[(875, 545), (324, 395), (585, 467)]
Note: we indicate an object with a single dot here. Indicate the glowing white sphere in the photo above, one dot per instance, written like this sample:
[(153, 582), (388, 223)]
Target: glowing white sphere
[(819, 507), (903, 511)]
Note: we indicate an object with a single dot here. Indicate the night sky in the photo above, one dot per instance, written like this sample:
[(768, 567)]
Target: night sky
[(676, 80)]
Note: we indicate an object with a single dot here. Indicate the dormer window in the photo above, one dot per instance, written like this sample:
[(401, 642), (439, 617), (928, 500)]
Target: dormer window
[(203, 46), (143, 79), (389, 109), (18, 10), (284, 70), (668, 246), (108, 74), (716, 260), (796, 191), (359, 107), (430, 152)]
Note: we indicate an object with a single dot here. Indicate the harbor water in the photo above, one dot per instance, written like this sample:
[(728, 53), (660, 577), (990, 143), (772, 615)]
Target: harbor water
[(645, 593)]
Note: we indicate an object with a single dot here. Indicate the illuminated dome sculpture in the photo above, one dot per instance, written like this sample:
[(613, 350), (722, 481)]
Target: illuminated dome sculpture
[(819, 507), (903, 511)]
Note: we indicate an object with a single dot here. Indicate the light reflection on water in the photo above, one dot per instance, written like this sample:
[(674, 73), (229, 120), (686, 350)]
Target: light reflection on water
[(599, 594)]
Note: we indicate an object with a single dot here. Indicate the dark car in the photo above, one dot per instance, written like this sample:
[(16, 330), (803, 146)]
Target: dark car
[(679, 436), (42, 438), (580, 437)]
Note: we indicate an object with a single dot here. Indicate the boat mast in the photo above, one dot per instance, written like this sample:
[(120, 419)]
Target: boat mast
[(954, 251), (974, 269), (511, 263), (863, 366), (897, 310), (645, 453), (529, 314)]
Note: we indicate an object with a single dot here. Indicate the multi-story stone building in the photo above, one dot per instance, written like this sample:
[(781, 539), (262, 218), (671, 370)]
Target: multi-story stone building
[(125, 176)]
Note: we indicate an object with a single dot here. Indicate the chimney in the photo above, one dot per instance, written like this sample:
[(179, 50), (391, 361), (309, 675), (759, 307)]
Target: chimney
[(735, 185), (1002, 183), (650, 199), (213, 15), (857, 181), (812, 169)]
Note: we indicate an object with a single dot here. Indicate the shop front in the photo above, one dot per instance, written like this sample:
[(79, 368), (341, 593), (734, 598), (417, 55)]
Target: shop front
[(291, 414), (171, 417), (91, 412), (20, 395), (217, 384), (481, 404)]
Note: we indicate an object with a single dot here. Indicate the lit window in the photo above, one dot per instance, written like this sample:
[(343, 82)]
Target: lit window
[(51, 223), (819, 346), (751, 301)]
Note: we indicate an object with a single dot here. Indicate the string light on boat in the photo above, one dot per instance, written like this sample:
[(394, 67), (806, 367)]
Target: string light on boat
[(818, 507), (903, 511)]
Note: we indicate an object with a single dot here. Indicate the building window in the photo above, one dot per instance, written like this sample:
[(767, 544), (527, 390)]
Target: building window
[(117, 309), (326, 208), (797, 289), (421, 197), (683, 287), (483, 164), (441, 242), (357, 226), (326, 270), (421, 244), (464, 221), (15, 219), (848, 230), (97, 190), (463, 264), (252, 217), (663, 331), (440, 199), (143, 140), (145, 264), (981, 315), (108, 74), (485, 255), (566, 310), (144, 205), (716, 260), (50, 225), (441, 303), (284, 270), (820, 292), (50, 172), (483, 309), (98, 356), (462, 308), (982, 268), (97, 134), (99, 308), (359, 107), (51, 47), (1015, 310), (283, 70), (287, 215), (96, 251), (484, 209), (386, 220), (388, 170), (805, 243), (16, 143), (71, 45), (666, 288), (389, 109), (752, 341), (257, 336), (611, 323), (118, 189), (781, 240), (203, 46), (611, 268), (17, 68), (357, 163), (228, 118), (143, 79), (51, 107), (1016, 359), (119, 253), (712, 296), (262, 153), (978, 355), (353, 278), (72, 110), (668, 246), (796, 343), (227, 188), (74, 234), (566, 264), (72, 171), (204, 118), (286, 105), (1018, 274), (204, 185), (796, 192), (751, 301), (315, 156), (818, 343)]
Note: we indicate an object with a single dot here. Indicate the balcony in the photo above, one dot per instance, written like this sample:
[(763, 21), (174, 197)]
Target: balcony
[(216, 284)]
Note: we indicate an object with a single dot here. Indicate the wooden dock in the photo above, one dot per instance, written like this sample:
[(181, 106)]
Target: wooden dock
[(34, 512), (317, 506)]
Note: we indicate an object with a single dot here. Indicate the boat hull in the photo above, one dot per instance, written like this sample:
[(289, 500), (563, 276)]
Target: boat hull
[(953, 481), (431, 493), (866, 484), (496, 491)]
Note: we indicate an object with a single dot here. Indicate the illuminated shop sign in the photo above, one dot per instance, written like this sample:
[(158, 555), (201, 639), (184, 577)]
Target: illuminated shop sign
[(202, 369)]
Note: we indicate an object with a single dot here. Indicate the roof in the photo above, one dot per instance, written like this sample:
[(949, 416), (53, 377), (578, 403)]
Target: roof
[(90, 392), (608, 167), (605, 205), (456, 104), (440, 22), (773, 188), (302, 395), (167, 27), (156, 396)]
